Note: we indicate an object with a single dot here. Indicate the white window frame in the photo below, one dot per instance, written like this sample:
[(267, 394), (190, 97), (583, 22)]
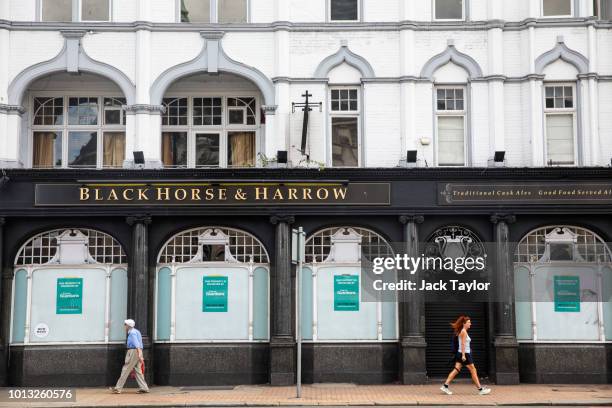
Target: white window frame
[(77, 5), (329, 13), (452, 113), (222, 130), (463, 12), (320, 267), (107, 268), (174, 266), (601, 8), (535, 263), (572, 11), (213, 13), (346, 114), (101, 128), (561, 111)]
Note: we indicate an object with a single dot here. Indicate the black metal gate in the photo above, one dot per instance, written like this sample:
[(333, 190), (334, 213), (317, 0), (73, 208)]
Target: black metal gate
[(438, 333)]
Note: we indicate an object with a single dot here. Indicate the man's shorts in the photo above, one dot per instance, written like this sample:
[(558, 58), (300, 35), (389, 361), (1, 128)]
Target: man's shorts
[(468, 359)]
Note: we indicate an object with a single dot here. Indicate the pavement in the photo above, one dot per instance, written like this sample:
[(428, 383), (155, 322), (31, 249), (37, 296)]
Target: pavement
[(336, 395)]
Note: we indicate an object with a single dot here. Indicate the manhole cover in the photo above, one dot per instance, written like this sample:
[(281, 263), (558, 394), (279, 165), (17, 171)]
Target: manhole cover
[(208, 388)]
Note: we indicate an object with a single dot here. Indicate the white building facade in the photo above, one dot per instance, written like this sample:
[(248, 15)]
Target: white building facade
[(211, 84), (142, 150)]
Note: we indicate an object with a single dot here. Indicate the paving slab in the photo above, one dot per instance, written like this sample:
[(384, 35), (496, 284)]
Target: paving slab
[(331, 395)]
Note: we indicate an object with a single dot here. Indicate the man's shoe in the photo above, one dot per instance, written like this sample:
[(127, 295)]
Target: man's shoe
[(446, 390), (484, 391), (114, 390), (141, 391)]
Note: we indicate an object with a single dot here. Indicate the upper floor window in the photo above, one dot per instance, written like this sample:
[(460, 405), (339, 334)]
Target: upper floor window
[(210, 131), (214, 11), (560, 117), (75, 10), (603, 9), (78, 131), (557, 8), (450, 126), (345, 113), (449, 10), (344, 10)]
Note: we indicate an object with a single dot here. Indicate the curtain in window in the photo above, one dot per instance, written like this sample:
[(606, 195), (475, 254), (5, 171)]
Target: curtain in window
[(114, 149), (451, 142), (232, 11), (56, 10), (95, 10), (606, 10), (560, 139), (449, 9), (241, 149), (174, 149), (195, 11), (557, 7), (44, 143), (345, 144)]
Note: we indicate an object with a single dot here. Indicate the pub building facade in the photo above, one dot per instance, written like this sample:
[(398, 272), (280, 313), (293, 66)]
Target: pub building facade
[(157, 154)]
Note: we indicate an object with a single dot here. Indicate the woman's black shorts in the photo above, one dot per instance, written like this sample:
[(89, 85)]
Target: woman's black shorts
[(468, 359)]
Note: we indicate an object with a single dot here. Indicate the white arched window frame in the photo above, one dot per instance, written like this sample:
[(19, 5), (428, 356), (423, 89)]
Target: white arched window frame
[(536, 252), (473, 71), (212, 248), (54, 114), (342, 247), (184, 117), (70, 253)]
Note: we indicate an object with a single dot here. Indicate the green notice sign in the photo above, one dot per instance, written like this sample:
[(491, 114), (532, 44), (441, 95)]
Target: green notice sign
[(69, 296), (346, 293), (215, 294), (567, 293)]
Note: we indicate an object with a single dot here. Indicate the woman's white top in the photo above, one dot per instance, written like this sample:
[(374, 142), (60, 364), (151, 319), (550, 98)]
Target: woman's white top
[(468, 340)]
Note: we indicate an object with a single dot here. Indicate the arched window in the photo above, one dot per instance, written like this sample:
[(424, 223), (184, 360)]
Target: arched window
[(212, 285), (333, 306), (563, 281), (206, 126), (73, 129), (451, 73), (70, 285)]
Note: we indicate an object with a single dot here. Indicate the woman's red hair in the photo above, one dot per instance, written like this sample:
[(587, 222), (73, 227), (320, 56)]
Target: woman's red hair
[(457, 325)]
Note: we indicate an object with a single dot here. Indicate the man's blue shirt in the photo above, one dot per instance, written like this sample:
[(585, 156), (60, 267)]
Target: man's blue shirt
[(134, 339)]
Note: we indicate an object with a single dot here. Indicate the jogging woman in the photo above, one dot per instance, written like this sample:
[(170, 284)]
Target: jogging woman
[(463, 355)]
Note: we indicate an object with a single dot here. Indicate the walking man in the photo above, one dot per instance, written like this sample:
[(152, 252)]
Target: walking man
[(133, 359)]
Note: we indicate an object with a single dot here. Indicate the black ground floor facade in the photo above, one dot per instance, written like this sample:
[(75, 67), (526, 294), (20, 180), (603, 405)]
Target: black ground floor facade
[(500, 206)]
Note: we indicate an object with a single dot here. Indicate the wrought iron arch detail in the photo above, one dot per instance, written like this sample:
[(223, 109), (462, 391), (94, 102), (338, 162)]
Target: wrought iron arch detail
[(44, 248), (461, 238), (210, 243), (319, 244), (587, 245)]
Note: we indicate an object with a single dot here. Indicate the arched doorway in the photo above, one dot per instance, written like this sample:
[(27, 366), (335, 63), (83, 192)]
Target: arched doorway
[(454, 241)]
